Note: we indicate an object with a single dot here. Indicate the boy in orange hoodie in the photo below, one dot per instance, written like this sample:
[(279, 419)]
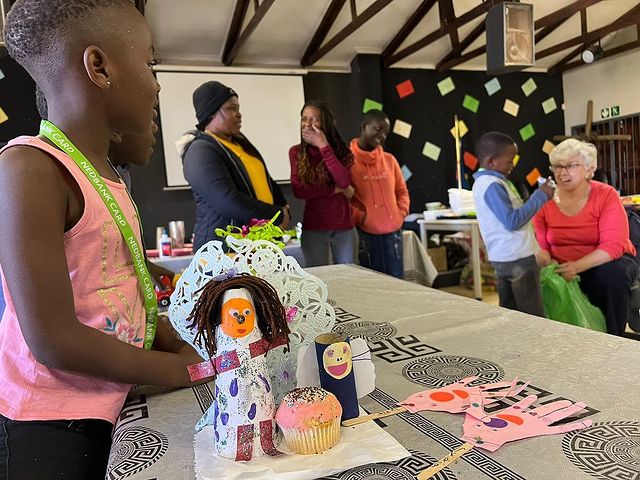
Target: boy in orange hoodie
[(381, 199)]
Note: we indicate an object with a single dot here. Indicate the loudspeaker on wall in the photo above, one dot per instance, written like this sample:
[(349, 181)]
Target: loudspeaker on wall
[(510, 37)]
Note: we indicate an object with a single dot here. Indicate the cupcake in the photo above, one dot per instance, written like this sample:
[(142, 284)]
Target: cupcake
[(309, 418)]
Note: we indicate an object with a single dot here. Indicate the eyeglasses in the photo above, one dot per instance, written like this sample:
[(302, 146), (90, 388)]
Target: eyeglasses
[(571, 167)]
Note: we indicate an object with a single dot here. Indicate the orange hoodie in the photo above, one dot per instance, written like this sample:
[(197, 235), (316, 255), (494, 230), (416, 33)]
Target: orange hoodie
[(381, 199)]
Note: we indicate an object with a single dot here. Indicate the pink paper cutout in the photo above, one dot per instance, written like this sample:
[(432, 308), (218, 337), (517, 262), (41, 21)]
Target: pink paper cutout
[(457, 397), (490, 432)]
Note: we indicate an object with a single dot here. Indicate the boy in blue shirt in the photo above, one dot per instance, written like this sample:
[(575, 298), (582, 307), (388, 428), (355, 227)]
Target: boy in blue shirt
[(505, 226)]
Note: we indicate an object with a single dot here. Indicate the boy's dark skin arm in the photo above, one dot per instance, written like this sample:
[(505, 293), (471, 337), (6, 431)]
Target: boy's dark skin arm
[(37, 199)]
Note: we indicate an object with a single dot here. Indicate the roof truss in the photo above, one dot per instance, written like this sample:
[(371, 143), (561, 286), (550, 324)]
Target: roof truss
[(236, 37)]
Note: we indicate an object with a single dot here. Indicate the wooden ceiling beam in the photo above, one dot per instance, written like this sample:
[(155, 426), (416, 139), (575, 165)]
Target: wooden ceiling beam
[(441, 32), (140, 4), (447, 16), (468, 40), (557, 68), (327, 22), (360, 20), (546, 25), (565, 12), (632, 17), (409, 26), (583, 22), (239, 14), (583, 30), (259, 14), (607, 54)]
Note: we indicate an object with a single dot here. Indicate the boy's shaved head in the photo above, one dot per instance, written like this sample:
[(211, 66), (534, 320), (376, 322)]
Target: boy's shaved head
[(39, 33)]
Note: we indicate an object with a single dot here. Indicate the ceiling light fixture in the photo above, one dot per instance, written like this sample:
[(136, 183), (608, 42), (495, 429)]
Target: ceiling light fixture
[(592, 53)]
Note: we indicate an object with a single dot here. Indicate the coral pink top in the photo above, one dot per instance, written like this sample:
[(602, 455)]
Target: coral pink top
[(601, 224), (380, 191), (307, 407), (106, 297)]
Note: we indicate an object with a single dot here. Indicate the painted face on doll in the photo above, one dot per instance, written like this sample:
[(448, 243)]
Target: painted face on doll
[(337, 361), (237, 317)]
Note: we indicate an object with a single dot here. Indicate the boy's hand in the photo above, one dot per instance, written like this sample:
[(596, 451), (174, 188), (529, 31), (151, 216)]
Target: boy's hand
[(548, 189), (543, 258)]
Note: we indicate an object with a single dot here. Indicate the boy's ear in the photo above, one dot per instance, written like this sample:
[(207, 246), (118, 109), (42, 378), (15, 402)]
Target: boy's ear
[(116, 137), (96, 64)]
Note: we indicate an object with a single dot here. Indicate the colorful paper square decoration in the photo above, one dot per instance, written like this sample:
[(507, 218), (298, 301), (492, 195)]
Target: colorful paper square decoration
[(547, 146), (462, 129), (446, 86), (405, 88), (532, 176), (432, 151), (371, 105), (516, 159), (402, 128), (511, 107), (549, 105), (492, 86), (470, 160), (471, 103), (527, 132), (529, 87), (3, 116), (406, 173)]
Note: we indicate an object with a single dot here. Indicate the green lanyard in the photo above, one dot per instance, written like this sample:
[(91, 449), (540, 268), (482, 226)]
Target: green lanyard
[(54, 134)]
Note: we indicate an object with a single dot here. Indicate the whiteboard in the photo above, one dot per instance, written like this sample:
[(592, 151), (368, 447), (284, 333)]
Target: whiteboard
[(270, 107)]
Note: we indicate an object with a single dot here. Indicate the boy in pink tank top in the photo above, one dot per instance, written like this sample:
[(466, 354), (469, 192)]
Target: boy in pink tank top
[(75, 319)]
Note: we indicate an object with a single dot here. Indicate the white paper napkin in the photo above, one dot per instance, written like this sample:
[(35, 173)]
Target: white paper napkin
[(359, 445)]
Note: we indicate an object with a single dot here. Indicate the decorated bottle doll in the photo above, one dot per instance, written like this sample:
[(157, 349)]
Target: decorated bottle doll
[(239, 319)]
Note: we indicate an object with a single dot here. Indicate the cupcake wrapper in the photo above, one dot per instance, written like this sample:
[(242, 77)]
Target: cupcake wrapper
[(313, 440)]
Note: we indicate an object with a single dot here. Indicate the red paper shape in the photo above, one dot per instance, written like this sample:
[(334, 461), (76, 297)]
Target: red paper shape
[(405, 88), (470, 160)]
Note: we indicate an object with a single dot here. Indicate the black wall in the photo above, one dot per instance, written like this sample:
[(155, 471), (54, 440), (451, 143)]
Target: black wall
[(432, 117), (17, 99), (430, 114)]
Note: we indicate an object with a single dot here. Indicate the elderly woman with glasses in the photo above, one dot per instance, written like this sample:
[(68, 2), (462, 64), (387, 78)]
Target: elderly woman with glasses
[(585, 229)]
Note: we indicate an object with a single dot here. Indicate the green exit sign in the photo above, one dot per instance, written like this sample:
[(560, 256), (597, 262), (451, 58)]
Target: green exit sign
[(607, 112)]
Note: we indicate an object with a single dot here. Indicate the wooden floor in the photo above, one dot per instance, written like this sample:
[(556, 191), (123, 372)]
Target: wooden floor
[(487, 295), (492, 298)]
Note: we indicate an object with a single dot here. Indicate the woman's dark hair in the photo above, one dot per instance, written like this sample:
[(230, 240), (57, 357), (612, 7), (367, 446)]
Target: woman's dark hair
[(319, 174)]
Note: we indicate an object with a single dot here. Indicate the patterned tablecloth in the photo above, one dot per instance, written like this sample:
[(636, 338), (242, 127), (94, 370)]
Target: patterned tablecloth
[(423, 338)]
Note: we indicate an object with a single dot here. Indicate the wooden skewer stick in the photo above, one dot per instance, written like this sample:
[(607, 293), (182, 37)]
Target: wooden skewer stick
[(373, 416), (456, 127), (445, 462)]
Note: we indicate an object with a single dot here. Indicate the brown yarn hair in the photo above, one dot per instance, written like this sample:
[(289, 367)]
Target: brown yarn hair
[(272, 320), (319, 175)]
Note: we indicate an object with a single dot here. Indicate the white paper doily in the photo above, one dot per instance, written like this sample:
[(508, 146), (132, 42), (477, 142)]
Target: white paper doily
[(294, 286)]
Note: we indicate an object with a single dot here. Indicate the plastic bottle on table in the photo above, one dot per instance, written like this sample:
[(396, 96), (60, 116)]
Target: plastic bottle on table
[(165, 245)]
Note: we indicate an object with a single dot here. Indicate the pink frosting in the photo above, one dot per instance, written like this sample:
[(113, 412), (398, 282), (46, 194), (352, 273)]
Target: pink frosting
[(307, 407)]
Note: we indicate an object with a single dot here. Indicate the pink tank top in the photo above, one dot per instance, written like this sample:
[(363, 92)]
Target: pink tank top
[(107, 298)]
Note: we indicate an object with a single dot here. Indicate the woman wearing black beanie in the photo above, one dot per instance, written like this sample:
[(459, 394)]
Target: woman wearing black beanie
[(228, 177)]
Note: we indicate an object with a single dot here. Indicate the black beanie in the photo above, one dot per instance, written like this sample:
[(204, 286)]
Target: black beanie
[(208, 98)]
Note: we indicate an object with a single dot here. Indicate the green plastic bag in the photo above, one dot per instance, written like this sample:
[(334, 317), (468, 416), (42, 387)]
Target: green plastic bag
[(565, 302)]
